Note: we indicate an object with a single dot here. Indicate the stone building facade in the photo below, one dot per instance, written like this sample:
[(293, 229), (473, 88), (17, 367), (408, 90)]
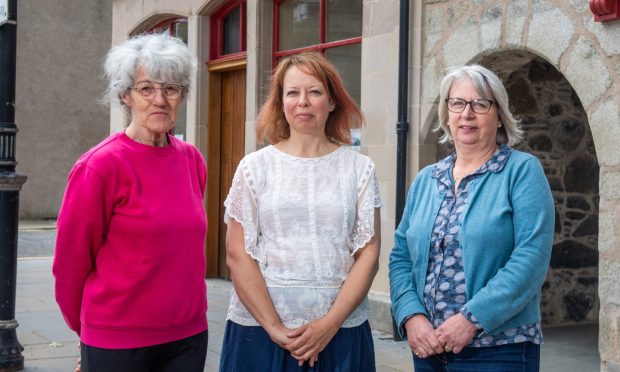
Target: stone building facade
[(562, 70), (60, 47)]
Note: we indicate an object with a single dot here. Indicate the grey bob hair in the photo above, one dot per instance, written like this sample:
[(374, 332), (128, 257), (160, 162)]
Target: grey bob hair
[(161, 56), (490, 87)]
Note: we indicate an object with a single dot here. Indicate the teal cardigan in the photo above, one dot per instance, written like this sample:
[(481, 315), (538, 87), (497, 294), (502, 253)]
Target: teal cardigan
[(506, 237)]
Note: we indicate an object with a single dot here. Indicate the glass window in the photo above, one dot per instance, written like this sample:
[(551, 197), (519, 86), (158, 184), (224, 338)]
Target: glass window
[(227, 37), (180, 31), (344, 19), (347, 59), (299, 23), (231, 29)]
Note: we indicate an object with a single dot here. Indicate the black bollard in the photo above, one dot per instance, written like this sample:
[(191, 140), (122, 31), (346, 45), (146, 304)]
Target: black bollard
[(11, 358)]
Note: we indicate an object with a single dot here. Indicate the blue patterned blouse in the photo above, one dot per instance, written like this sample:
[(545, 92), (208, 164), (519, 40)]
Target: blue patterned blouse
[(444, 292)]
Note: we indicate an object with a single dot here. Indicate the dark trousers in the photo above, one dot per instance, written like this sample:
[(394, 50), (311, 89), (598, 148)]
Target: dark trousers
[(186, 355), (519, 357)]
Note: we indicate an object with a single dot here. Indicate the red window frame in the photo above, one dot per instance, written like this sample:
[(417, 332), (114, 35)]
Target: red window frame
[(217, 31), (169, 24), (322, 46)]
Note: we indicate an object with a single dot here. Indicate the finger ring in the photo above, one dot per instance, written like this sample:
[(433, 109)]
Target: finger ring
[(416, 353), (448, 348)]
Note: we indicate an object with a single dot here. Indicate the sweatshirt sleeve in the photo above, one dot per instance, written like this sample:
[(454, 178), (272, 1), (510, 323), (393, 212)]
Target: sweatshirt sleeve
[(82, 220)]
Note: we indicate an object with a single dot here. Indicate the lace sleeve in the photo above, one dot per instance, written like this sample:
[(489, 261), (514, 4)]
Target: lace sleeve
[(369, 198), (241, 206)]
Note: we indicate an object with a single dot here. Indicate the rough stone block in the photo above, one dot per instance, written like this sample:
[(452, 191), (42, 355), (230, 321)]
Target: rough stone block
[(545, 42), (431, 79), (609, 329), (607, 36), (457, 10), (433, 28), (606, 132), (491, 27), (607, 232), (609, 290), (587, 72), (516, 13), (609, 185), (462, 46)]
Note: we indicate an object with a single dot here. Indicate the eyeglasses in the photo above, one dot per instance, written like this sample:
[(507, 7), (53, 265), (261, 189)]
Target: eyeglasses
[(170, 90), (479, 106)]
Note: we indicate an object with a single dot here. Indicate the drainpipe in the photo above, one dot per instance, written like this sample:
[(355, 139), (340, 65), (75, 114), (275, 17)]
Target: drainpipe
[(402, 125)]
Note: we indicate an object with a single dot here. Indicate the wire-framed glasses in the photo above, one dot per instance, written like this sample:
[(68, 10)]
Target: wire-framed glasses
[(479, 106), (170, 90)]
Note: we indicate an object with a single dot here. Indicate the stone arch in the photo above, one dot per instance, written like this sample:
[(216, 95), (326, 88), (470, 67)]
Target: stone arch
[(151, 20), (558, 133)]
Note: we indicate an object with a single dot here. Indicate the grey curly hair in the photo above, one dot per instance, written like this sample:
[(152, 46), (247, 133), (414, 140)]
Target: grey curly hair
[(161, 56)]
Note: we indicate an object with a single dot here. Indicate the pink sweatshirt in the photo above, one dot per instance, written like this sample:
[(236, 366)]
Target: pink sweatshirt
[(129, 260)]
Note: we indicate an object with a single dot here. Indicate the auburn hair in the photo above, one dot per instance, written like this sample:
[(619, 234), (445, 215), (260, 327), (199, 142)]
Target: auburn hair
[(271, 123)]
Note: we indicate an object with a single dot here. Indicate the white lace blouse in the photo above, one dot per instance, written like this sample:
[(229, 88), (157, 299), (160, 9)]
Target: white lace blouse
[(303, 220)]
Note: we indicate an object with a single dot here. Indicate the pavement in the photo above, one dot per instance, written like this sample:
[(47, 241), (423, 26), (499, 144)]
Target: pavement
[(51, 347)]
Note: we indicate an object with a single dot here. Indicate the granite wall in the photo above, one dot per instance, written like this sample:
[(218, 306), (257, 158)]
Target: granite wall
[(558, 134)]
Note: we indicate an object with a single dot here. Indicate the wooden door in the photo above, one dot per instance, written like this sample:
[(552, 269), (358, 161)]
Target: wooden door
[(226, 148)]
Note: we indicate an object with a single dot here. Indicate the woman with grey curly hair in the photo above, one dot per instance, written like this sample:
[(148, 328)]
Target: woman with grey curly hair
[(473, 246), (129, 262)]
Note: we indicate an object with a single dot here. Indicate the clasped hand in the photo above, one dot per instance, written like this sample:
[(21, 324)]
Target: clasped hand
[(452, 336), (306, 342)]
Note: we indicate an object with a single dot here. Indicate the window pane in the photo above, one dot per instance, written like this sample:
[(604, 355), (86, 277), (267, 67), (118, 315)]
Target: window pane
[(231, 29), (299, 23), (180, 128), (344, 19), (181, 31), (347, 59)]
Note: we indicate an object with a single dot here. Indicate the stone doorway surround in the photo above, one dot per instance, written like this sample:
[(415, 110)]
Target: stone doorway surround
[(587, 54)]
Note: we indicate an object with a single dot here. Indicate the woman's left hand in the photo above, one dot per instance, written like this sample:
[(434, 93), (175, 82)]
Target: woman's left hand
[(456, 333), (311, 339)]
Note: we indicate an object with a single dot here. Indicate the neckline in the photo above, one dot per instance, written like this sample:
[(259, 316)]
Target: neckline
[(303, 159), (148, 148)]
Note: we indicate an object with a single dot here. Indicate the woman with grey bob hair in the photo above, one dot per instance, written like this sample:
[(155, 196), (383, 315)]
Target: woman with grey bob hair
[(159, 55), (490, 88), (473, 246), (129, 262)]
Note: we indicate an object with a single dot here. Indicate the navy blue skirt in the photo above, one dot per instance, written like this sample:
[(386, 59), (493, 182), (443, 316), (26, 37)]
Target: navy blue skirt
[(247, 349)]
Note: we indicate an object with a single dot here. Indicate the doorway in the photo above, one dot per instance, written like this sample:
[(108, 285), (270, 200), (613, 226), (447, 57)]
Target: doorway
[(226, 141)]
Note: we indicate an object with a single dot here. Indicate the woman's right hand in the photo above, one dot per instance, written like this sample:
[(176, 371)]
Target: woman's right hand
[(279, 335), (421, 337)]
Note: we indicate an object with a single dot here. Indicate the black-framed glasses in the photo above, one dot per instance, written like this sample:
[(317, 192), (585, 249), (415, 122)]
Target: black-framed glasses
[(479, 106), (170, 90)]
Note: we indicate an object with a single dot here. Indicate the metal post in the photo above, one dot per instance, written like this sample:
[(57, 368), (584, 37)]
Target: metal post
[(11, 358)]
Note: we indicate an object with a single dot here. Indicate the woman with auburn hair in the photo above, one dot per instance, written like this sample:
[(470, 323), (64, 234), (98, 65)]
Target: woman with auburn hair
[(272, 123), (303, 234)]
